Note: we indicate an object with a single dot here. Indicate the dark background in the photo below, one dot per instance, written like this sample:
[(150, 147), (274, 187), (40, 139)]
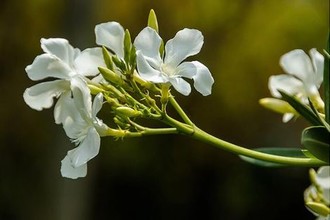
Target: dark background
[(160, 177)]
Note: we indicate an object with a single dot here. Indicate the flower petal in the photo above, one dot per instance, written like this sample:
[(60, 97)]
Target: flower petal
[(42, 95), (64, 108), (287, 83), (60, 48), (148, 43), (287, 117), (203, 79), (87, 149), (82, 97), (147, 72), (97, 104), (111, 35), (47, 65), (69, 171), (318, 64), (186, 69), (180, 85), (323, 180), (297, 63), (88, 61), (186, 42)]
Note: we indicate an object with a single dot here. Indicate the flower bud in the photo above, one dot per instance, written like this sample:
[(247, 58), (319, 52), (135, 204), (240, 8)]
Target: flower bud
[(111, 76), (277, 105), (128, 112)]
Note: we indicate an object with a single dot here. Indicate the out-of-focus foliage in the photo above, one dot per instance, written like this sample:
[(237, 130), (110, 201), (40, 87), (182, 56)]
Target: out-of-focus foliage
[(167, 177)]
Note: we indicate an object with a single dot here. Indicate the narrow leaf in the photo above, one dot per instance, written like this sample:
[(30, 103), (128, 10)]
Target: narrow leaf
[(301, 108), (326, 82), (316, 140), (287, 152)]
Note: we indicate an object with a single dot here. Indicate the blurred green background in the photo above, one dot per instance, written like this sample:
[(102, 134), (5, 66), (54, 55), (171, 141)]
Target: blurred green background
[(160, 177)]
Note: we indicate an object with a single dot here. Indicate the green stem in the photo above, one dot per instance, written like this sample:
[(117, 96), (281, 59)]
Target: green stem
[(180, 111), (209, 139)]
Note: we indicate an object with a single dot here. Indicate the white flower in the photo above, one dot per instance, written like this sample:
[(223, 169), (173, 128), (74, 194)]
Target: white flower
[(65, 63), (111, 35), (170, 68), (84, 129), (319, 192), (303, 79)]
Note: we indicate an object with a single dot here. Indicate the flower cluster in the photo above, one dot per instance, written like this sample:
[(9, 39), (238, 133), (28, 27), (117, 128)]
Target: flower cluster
[(129, 76)]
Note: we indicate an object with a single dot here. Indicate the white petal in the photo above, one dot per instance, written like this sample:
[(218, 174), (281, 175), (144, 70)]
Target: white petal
[(323, 179), (318, 64), (82, 97), (287, 117), (87, 149), (186, 42), (97, 104), (111, 35), (42, 95), (297, 63), (60, 48), (181, 85), (186, 69), (147, 72), (47, 65), (148, 43), (64, 108), (88, 61), (286, 83), (68, 171), (203, 79)]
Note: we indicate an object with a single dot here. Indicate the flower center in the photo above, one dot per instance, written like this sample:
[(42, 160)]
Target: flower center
[(167, 69)]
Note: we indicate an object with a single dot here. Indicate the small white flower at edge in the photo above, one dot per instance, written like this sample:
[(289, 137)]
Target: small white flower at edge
[(84, 129), (170, 68), (63, 62), (303, 79)]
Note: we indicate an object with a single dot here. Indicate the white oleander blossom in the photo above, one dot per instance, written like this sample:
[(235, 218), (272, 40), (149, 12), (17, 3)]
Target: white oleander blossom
[(64, 63), (111, 35), (319, 192), (170, 68), (303, 79), (84, 129)]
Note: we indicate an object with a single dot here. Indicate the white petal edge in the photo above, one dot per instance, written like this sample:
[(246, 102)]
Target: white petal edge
[(88, 61), (111, 35), (147, 72), (87, 149), (287, 83), (60, 48), (318, 64), (203, 79), (47, 65), (297, 63), (82, 97), (97, 104), (186, 42), (181, 85), (42, 95), (148, 43), (68, 171)]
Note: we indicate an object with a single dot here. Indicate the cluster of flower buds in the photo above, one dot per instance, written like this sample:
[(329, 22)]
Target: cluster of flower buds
[(132, 78)]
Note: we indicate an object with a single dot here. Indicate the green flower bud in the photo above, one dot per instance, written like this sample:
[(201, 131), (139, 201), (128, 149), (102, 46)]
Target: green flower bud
[(128, 112), (152, 20), (277, 105), (107, 58), (111, 76)]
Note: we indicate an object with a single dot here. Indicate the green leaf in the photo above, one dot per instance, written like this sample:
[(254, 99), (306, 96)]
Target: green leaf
[(287, 152), (152, 20), (326, 82), (316, 140), (302, 109)]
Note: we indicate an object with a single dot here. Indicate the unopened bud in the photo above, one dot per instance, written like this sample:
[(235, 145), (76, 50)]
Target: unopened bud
[(111, 76), (277, 105), (128, 112)]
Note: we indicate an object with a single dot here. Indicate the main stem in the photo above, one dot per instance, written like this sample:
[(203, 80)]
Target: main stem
[(209, 139)]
